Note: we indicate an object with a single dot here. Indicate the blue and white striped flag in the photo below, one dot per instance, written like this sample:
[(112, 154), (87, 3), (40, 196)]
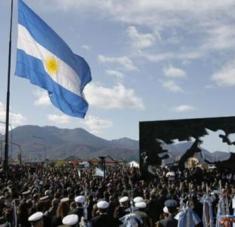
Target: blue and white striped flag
[(207, 214), (187, 218), (47, 61)]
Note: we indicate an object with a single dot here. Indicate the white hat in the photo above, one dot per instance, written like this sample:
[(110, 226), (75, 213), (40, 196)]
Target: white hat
[(26, 192), (44, 198), (102, 204), (170, 174), (71, 219), (63, 200), (47, 192), (2, 197), (123, 199), (138, 199), (165, 210), (140, 204), (79, 199), (35, 217)]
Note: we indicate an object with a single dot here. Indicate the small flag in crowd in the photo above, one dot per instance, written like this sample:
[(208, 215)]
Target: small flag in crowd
[(99, 172)]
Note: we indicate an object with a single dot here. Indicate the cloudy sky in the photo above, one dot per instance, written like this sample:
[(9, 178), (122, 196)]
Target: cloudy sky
[(150, 60)]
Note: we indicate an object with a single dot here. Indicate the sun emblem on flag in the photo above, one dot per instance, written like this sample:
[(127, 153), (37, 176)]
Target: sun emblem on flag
[(51, 65)]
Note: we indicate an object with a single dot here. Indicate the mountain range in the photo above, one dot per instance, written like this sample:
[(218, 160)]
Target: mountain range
[(38, 143)]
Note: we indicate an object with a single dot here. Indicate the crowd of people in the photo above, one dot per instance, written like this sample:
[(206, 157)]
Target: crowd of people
[(50, 196)]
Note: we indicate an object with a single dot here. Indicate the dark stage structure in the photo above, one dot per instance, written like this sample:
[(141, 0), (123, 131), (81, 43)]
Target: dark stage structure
[(172, 142)]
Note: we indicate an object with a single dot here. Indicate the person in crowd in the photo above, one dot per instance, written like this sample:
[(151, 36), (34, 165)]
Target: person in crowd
[(36, 219), (61, 212), (122, 209), (103, 219), (140, 211), (170, 211), (53, 191)]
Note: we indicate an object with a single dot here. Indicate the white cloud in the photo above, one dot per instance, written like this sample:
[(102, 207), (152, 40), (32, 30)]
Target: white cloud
[(190, 55), (171, 86), (140, 40), (184, 108), (174, 72), (220, 36), (210, 22), (15, 119), (115, 73), (209, 86), (59, 119), (67, 5), (134, 10), (96, 124), (86, 47), (226, 76), (210, 35), (169, 13), (42, 98), (158, 57), (116, 97), (93, 123), (125, 62)]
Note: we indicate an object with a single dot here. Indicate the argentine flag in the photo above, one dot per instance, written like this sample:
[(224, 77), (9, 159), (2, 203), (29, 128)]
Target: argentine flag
[(47, 61)]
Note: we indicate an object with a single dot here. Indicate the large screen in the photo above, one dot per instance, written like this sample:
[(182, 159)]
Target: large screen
[(172, 142)]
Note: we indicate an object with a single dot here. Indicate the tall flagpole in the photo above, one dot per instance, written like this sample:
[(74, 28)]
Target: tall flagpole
[(8, 95)]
